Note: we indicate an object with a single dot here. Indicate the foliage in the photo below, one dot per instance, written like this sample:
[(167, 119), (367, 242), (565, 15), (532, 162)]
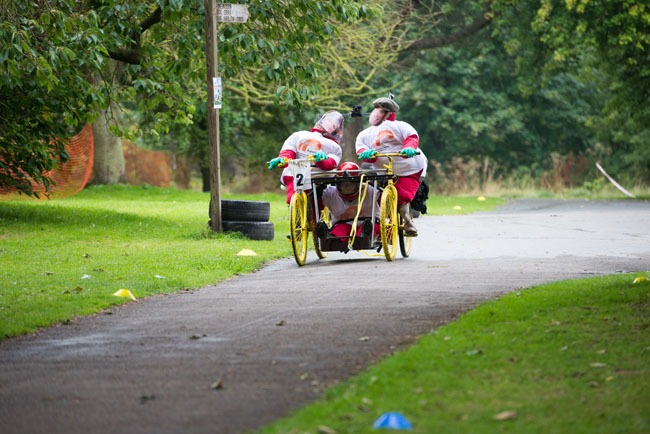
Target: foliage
[(608, 43), (465, 104), (513, 81), (54, 51), (47, 51)]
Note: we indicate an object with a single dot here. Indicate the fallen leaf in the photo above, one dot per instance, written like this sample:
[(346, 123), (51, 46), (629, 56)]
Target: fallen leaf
[(598, 365), (280, 323), (364, 338), (158, 276), (85, 277), (218, 384), (640, 279), (506, 415), (145, 398), (323, 429)]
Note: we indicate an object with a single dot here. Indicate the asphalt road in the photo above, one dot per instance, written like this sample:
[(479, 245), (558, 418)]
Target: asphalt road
[(235, 356)]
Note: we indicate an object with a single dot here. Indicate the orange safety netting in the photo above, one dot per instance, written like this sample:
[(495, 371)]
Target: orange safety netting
[(73, 175), (144, 166)]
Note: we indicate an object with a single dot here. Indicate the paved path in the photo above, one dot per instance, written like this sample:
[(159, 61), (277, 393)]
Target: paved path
[(273, 339)]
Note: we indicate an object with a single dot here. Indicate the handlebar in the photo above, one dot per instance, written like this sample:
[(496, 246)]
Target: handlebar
[(392, 154)]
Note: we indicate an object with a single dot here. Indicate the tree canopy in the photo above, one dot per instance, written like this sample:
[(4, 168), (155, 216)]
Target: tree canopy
[(510, 80), (54, 55)]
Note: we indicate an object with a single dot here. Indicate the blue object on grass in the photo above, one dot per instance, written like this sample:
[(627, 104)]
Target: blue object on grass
[(392, 420)]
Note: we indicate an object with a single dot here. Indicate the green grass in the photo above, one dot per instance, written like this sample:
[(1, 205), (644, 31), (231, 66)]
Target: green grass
[(570, 357), (64, 258), (67, 257)]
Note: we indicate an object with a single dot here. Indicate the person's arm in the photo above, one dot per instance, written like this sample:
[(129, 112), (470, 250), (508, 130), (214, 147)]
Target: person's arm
[(334, 154), (287, 153), (328, 164), (411, 142)]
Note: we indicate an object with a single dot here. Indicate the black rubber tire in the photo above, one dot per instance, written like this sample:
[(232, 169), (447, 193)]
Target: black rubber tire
[(245, 210), (253, 230)]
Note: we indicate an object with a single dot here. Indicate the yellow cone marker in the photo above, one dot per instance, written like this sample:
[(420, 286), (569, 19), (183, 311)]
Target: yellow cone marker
[(640, 279), (124, 293), (246, 252)]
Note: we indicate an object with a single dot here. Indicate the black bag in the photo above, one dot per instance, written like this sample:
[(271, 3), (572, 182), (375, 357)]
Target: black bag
[(419, 202)]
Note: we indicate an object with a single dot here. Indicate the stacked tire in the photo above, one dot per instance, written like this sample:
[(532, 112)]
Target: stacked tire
[(248, 217)]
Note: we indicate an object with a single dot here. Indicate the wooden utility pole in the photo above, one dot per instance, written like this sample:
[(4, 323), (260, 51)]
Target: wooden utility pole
[(226, 13), (213, 114)]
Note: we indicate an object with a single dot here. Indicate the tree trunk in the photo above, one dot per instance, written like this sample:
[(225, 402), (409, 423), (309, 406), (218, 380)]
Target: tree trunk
[(108, 164)]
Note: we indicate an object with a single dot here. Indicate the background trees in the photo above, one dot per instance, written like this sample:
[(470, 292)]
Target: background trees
[(512, 84), (70, 62)]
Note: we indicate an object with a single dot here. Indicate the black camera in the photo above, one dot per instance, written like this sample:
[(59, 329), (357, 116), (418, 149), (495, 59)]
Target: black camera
[(356, 112)]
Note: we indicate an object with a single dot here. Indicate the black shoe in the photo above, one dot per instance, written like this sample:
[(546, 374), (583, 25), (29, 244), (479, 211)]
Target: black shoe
[(321, 229), (366, 228)]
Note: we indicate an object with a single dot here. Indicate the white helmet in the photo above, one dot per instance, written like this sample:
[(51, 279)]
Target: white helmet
[(332, 123)]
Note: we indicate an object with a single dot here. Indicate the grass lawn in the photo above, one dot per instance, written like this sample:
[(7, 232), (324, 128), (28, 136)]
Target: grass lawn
[(67, 257)]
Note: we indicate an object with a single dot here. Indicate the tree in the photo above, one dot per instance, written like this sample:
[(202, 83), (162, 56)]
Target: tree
[(605, 43), (55, 60), (46, 55)]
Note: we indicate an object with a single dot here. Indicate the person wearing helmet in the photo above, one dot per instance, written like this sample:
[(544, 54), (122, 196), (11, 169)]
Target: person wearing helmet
[(321, 142), (387, 135), (342, 200)]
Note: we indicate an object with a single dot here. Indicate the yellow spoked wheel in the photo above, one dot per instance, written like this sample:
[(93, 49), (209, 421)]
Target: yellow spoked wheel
[(404, 240), (298, 226), (325, 218), (388, 222)]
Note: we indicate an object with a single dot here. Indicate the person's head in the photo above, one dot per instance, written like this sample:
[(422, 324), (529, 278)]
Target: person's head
[(348, 190), (384, 108), (331, 124)]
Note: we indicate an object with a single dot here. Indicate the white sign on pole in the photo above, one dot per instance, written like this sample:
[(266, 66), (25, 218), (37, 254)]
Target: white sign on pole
[(232, 13), (217, 91)]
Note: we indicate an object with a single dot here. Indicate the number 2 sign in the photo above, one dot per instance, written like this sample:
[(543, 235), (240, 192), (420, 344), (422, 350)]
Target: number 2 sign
[(301, 174)]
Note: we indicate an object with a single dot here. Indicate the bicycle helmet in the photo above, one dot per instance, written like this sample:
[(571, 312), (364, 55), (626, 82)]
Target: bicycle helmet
[(332, 124), (348, 190)]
